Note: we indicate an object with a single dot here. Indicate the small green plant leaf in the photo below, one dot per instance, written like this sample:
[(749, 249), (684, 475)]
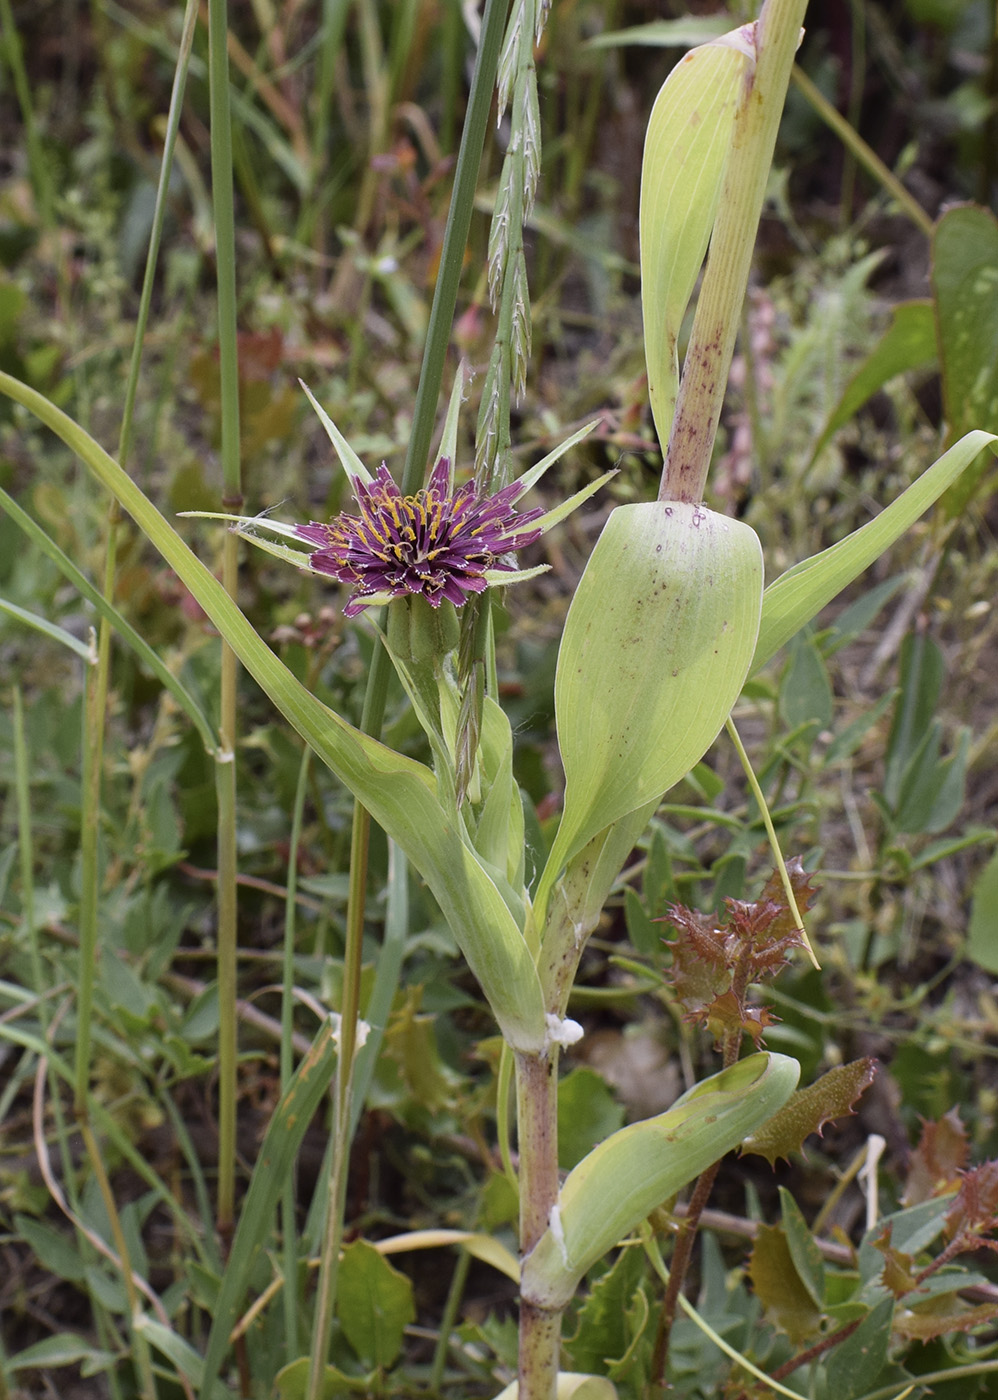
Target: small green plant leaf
[(654, 653), (909, 343), (686, 152), (810, 1109), (65, 1349), (805, 690), (603, 1332), (799, 594), (982, 932), (965, 282), (375, 1304), (803, 1248), (292, 1382), (923, 671), (623, 1179), (55, 1250), (587, 1113), (778, 1285)]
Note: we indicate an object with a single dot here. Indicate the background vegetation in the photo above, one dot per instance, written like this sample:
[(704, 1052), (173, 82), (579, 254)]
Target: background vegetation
[(874, 735)]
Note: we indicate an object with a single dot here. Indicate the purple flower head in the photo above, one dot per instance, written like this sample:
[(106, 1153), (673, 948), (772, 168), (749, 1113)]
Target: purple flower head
[(441, 545)]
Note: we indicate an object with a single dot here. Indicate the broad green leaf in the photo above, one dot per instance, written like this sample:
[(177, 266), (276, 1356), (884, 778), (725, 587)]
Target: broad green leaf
[(292, 1382), (274, 1164), (686, 151), (602, 1333), (626, 1177), (909, 343), (982, 933), (655, 651), (857, 1362), (374, 1304), (400, 794), (799, 594)]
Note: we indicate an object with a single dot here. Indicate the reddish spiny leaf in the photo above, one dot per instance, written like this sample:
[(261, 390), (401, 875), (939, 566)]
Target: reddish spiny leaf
[(976, 1204), (937, 1161), (899, 1269)]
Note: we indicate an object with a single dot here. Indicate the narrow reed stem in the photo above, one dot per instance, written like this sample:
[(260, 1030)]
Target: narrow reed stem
[(225, 775)]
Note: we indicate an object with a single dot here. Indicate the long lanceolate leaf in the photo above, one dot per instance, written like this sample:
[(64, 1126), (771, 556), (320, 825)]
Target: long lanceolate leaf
[(800, 594), (400, 794)]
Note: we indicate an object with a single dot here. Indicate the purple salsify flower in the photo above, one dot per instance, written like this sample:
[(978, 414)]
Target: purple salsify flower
[(435, 544)]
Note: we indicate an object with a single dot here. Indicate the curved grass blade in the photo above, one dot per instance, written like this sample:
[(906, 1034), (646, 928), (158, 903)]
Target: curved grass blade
[(125, 630), (799, 595), (280, 1146)]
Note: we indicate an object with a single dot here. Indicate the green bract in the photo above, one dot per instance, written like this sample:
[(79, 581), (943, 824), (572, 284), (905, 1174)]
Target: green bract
[(657, 645), (686, 152)]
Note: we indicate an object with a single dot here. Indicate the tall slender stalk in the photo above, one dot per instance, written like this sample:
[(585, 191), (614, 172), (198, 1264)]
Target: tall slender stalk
[(225, 766), (413, 472)]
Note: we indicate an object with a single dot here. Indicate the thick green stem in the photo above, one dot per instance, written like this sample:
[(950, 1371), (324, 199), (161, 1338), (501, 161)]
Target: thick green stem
[(715, 325), (537, 1132)]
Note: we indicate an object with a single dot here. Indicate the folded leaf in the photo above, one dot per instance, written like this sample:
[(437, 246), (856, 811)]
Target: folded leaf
[(686, 151), (623, 1179)]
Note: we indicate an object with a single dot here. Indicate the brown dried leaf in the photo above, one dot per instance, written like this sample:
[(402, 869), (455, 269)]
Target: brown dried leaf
[(779, 1287), (937, 1161), (807, 1111)]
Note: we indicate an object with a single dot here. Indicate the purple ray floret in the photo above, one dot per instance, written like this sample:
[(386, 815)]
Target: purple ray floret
[(431, 543)]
